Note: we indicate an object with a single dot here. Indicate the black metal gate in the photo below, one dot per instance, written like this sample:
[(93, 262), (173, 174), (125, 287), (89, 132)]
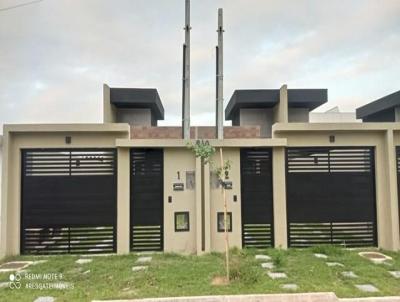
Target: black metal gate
[(398, 175), (331, 196), (147, 191), (68, 201), (257, 198)]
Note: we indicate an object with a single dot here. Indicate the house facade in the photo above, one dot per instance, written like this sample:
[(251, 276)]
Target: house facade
[(129, 185)]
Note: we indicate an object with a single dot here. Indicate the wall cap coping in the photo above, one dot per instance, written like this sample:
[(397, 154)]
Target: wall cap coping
[(27, 128), (179, 143), (293, 127)]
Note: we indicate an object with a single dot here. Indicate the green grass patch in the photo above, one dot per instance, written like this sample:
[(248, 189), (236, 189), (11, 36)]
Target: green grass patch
[(176, 275)]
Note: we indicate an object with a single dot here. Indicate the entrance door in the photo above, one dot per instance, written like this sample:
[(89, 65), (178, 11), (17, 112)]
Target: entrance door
[(147, 190), (257, 198)]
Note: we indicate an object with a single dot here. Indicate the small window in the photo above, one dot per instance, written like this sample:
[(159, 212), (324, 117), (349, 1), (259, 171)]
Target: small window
[(182, 222), (221, 221)]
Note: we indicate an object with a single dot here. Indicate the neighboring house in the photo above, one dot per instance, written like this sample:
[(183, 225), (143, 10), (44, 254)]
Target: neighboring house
[(333, 115), (130, 185)]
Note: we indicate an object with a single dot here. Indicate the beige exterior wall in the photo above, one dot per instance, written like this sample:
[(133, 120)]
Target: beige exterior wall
[(217, 203), (262, 117), (384, 137), (182, 161)]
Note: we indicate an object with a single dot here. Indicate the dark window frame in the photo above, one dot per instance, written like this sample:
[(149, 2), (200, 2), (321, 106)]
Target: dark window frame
[(221, 214), (188, 220)]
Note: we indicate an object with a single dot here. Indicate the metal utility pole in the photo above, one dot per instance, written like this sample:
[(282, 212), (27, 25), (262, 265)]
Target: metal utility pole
[(186, 76), (220, 78)]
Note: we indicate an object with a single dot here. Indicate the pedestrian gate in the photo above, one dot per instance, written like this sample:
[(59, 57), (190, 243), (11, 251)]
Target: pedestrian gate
[(68, 201), (331, 196), (257, 199), (147, 200)]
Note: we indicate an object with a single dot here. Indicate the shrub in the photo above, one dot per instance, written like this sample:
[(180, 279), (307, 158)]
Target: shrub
[(279, 258), (243, 270), (331, 250)]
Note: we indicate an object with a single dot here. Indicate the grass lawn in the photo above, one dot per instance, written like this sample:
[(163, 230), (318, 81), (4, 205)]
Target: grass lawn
[(174, 275)]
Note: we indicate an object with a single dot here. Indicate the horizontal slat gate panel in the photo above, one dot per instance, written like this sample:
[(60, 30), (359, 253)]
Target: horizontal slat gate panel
[(256, 192), (72, 240), (344, 234), (257, 235), (146, 238), (147, 191), (331, 196), (68, 192)]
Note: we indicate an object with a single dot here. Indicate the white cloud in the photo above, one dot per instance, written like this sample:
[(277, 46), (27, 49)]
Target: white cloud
[(55, 55)]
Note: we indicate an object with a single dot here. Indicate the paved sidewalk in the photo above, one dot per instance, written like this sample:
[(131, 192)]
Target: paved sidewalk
[(305, 297)]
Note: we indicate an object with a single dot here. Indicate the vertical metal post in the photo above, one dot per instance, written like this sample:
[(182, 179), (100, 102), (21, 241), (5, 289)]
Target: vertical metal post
[(186, 79), (220, 77)]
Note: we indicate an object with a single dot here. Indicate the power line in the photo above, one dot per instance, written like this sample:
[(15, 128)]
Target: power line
[(19, 5)]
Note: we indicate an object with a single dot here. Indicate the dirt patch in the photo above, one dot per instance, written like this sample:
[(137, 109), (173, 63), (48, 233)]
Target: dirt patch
[(219, 281)]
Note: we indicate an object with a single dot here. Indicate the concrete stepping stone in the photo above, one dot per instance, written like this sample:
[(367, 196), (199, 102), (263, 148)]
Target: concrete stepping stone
[(349, 274), (321, 256), (395, 274), (144, 259), (263, 257), (83, 261), (39, 262), (145, 253), (138, 268), (267, 265), (45, 299), (14, 266), (4, 284), (368, 288), (289, 286), (277, 275), (334, 264)]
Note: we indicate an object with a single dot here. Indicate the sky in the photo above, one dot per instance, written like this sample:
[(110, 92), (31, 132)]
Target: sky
[(55, 55)]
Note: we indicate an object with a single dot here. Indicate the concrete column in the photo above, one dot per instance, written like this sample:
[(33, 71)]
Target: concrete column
[(109, 110), (4, 190), (123, 202), (279, 195), (198, 207), (207, 208), (386, 193), (282, 108), (393, 206)]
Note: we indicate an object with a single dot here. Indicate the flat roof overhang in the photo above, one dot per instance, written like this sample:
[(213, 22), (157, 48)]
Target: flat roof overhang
[(268, 98), (138, 98), (181, 143), (382, 104)]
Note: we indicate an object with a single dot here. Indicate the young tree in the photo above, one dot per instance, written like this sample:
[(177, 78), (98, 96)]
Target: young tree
[(205, 152)]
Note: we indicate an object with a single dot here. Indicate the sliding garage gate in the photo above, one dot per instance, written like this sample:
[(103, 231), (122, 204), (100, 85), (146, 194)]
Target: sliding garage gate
[(147, 191), (257, 206), (68, 201), (331, 196)]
